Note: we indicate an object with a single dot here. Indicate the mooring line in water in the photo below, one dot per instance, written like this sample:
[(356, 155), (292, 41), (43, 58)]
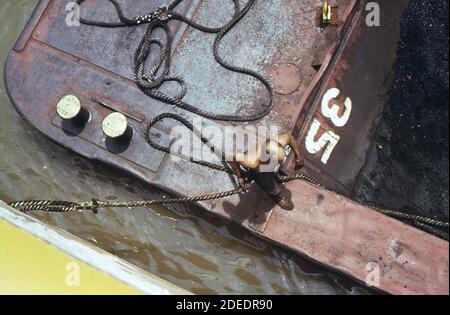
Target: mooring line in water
[(427, 224), (94, 205)]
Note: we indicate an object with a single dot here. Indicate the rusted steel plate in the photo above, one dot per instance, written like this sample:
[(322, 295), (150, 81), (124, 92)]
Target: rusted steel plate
[(337, 232), (357, 75), (278, 38)]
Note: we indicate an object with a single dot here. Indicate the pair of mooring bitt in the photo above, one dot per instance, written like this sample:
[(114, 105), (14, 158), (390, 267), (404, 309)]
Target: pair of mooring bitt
[(114, 126)]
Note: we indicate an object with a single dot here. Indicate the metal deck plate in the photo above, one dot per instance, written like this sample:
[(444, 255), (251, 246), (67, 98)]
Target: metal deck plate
[(278, 38)]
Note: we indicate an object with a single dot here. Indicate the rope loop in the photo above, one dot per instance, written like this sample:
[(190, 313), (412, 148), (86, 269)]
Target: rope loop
[(160, 73)]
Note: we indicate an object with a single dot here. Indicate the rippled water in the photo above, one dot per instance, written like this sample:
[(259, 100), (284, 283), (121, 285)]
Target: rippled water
[(203, 255)]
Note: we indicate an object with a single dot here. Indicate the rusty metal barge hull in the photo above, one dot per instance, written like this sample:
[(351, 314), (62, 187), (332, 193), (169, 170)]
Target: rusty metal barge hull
[(306, 64)]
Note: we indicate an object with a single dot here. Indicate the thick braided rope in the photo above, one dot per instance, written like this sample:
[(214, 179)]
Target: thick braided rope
[(388, 212), (189, 126), (64, 206)]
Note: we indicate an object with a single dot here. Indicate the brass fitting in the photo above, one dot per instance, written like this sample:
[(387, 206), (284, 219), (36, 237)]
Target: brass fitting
[(327, 13), (70, 109), (115, 127)]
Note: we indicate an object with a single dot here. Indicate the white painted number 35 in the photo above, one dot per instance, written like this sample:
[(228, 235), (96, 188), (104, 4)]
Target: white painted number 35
[(328, 140)]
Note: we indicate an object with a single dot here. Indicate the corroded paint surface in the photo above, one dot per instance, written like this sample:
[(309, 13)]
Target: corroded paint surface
[(363, 243)]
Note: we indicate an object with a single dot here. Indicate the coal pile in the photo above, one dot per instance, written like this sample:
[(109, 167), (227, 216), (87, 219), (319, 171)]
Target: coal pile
[(408, 166)]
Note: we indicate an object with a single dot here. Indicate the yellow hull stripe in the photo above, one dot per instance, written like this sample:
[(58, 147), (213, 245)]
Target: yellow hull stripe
[(28, 265)]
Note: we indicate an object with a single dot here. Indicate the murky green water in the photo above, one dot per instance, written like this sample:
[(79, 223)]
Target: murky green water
[(203, 255)]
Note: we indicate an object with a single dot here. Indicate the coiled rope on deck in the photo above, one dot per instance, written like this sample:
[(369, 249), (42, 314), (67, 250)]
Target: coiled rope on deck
[(160, 73)]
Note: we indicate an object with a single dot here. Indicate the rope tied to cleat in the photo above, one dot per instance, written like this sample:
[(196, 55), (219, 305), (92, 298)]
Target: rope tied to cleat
[(427, 224)]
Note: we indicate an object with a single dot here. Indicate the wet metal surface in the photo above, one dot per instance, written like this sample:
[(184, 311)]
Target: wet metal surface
[(200, 253)]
